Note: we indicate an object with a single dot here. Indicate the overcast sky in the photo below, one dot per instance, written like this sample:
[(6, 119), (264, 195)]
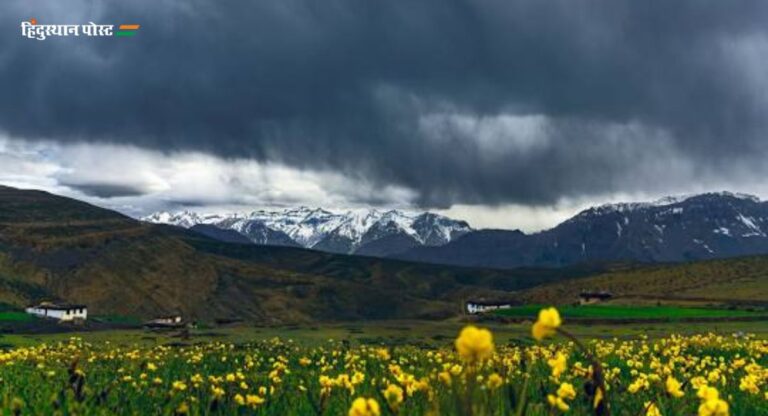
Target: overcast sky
[(506, 113)]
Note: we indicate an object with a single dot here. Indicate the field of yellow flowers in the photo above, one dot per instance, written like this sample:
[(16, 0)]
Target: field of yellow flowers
[(552, 375)]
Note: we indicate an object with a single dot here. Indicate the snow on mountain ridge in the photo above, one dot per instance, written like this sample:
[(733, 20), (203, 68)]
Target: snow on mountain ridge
[(308, 226), (663, 202)]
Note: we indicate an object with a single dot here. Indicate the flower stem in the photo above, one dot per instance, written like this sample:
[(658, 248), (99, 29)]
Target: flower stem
[(597, 374)]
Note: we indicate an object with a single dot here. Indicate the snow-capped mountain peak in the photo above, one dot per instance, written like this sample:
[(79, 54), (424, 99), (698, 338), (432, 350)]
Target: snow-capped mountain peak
[(184, 219), (666, 201), (676, 229), (322, 229)]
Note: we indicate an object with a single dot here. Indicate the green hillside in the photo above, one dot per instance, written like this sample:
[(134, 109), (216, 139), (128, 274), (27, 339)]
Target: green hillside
[(62, 249), (55, 248), (742, 280)]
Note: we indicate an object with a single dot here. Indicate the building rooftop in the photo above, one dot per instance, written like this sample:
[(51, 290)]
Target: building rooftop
[(600, 294), (58, 306), (490, 302)]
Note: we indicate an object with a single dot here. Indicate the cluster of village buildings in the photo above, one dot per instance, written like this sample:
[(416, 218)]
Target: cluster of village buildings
[(60, 311), (474, 307), (63, 312), (66, 312)]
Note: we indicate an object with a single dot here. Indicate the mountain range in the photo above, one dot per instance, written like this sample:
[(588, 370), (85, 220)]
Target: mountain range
[(61, 249), (673, 229), (365, 232), (57, 248)]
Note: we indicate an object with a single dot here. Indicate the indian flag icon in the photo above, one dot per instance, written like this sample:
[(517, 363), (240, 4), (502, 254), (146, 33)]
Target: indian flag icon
[(127, 30)]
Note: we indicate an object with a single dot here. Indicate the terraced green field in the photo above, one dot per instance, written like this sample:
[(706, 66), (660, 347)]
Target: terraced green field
[(630, 312)]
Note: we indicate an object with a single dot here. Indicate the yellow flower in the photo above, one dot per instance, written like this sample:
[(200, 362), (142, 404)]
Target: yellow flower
[(495, 381), (549, 320), (651, 409), (673, 387), (383, 354), (253, 400), (239, 399), (598, 398), (217, 392), (16, 405), (558, 364), (566, 391), (708, 393), (714, 408), (364, 407), (182, 409), (474, 344), (196, 379), (445, 377), (179, 385), (357, 377), (711, 404), (750, 383), (555, 401), (394, 396)]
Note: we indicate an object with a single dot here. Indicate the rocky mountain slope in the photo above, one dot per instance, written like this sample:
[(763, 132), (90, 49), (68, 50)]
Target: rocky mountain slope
[(699, 227)]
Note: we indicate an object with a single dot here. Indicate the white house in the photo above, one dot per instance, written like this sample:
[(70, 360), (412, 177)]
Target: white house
[(171, 321), (475, 307), (61, 312)]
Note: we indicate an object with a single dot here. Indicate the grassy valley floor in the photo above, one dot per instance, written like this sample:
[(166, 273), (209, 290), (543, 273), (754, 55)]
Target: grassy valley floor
[(387, 368), (404, 332)]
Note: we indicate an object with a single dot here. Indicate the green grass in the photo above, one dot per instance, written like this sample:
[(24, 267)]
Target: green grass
[(627, 312), (15, 316), (435, 333), (117, 319)]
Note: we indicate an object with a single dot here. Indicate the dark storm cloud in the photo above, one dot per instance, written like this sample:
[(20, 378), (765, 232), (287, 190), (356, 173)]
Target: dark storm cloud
[(486, 101), (105, 190)]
